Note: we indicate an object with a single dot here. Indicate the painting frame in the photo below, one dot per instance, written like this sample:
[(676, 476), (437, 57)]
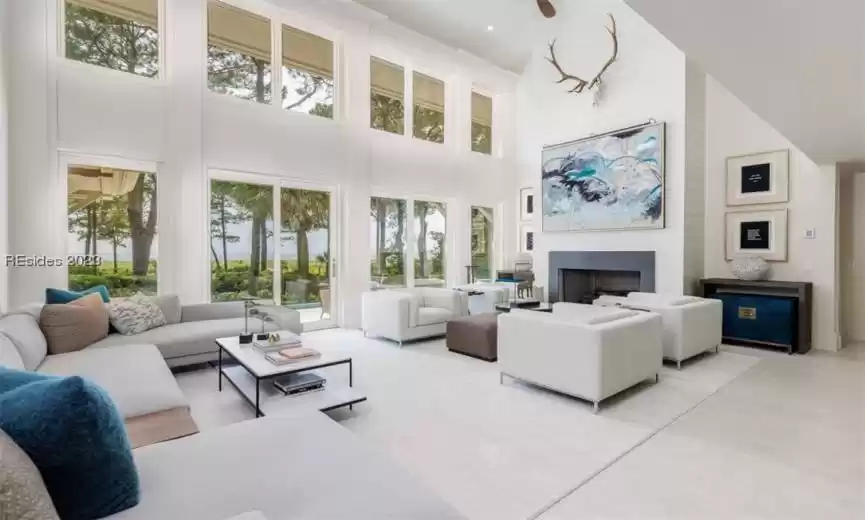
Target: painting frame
[(527, 204), (777, 239), (631, 158), (527, 238), (768, 182)]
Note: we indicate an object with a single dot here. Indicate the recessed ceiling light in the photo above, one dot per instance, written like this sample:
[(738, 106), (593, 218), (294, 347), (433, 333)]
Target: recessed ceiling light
[(490, 28)]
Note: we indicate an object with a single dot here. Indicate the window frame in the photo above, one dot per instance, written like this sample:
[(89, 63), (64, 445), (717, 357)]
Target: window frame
[(161, 76), (279, 16), (411, 233), (67, 159), (494, 148), (277, 182)]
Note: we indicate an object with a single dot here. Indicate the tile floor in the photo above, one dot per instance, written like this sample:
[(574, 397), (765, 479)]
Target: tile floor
[(741, 434)]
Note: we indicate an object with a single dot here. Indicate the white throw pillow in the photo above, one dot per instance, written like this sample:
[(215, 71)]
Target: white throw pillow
[(169, 304), (135, 314), (9, 356), (23, 330)]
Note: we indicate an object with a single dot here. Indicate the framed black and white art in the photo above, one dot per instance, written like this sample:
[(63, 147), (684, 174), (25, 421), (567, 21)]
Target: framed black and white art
[(527, 204), (762, 178), (758, 233), (527, 239)]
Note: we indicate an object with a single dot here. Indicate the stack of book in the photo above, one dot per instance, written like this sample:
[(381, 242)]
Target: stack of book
[(291, 355), (277, 342)]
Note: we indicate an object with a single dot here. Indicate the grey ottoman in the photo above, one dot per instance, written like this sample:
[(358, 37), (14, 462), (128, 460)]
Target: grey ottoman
[(474, 336)]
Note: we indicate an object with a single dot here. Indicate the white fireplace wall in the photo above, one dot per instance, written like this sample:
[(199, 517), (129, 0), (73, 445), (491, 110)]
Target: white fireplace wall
[(648, 80)]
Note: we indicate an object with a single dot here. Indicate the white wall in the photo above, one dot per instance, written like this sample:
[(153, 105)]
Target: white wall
[(649, 80), (4, 151), (188, 131), (852, 254), (733, 129)]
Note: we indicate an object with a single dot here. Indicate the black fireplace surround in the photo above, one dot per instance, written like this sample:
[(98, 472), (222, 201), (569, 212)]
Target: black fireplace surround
[(582, 276)]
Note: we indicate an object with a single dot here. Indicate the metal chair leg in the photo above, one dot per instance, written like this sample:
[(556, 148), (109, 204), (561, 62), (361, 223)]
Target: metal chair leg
[(595, 410), (679, 365), (657, 377), (717, 349)]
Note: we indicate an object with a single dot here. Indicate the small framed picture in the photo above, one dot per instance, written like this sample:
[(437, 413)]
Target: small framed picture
[(527, 239), (762, 178), (759, 233), (527, 203)]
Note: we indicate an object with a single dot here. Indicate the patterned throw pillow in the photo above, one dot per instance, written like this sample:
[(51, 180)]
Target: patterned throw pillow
[(22, 491), (135, 314)]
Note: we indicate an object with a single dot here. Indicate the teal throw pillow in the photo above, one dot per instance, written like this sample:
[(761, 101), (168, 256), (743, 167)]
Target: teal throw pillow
[(75, 436), (64, 296)]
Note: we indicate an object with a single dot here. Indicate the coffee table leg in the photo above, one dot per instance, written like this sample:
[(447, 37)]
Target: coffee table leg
[(220, 369), (350, 380), (257, 398)]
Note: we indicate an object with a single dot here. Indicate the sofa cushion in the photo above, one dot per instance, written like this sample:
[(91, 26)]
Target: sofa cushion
[(66, 296), (333, 475), (135, 315), (135, 376), (170, 306), (433, 316), (589, 314), (22, 491), (186, 338), (9, 356), (23, 331), (72, 326), (73, 433), (682, 300)]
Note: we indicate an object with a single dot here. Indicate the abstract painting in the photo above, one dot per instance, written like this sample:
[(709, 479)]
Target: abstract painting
[(607, 182)]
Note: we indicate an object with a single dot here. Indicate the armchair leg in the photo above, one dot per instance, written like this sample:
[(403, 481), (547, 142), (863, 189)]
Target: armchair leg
[(595, 409), (399, 343), (679, 365), (717, 349), (657, 378), (501, 378)]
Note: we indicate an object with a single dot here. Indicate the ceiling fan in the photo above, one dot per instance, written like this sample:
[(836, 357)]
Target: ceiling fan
[(546, 8)]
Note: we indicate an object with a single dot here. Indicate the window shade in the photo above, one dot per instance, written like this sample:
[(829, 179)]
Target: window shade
[(144, 12), (231, 28), (429, 92), (307, 52), (387, 78), (482, 109)]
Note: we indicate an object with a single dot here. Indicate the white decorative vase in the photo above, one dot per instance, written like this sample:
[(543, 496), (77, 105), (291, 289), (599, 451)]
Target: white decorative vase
[(750, 267)]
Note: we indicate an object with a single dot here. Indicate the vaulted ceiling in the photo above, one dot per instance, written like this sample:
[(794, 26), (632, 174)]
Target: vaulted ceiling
[(800, 65)]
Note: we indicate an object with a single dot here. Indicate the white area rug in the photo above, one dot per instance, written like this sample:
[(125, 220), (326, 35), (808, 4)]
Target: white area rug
[(496, 452)]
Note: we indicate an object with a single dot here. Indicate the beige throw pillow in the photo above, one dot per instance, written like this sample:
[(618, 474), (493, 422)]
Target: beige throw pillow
[(72, 326), (23, 495)]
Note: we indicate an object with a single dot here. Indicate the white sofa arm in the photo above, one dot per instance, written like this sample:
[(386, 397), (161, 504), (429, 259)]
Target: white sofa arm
[(387, 313), (632, 351), (211, 311)]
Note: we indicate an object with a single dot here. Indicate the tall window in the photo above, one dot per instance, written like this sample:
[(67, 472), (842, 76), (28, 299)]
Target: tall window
[(387, 96), (429, 251), (307, 73), (116, 34), (482, 123), (482, 242), (388, 231), (305, 250), (241, 240), (112, 215), (238, 53), (429, 108)]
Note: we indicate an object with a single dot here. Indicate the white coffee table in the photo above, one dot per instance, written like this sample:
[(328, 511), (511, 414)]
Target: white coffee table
[(253, 368)]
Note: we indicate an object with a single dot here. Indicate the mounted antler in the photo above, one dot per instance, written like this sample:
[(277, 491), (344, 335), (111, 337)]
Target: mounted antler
[(581, 84)]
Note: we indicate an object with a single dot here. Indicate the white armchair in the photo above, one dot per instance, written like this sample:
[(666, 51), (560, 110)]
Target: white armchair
[(585, 351), (692, 325), (409, 314)]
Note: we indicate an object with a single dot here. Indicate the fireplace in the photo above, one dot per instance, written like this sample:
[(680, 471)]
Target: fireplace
[(585, 285), (582, 276)]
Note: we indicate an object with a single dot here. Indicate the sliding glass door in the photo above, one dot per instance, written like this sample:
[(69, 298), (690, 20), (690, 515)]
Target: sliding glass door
[(244, 252), (306, 255)]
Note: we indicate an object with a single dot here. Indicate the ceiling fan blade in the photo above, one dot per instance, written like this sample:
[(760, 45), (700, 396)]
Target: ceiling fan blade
[(546, 8)]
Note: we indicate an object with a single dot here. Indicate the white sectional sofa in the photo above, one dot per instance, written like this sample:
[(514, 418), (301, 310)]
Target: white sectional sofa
[(303, 467), (586, 351), (692, 325), (410, 314)]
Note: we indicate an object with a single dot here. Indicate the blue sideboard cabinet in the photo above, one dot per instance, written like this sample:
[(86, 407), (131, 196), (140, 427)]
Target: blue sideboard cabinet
[(764, 313)]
